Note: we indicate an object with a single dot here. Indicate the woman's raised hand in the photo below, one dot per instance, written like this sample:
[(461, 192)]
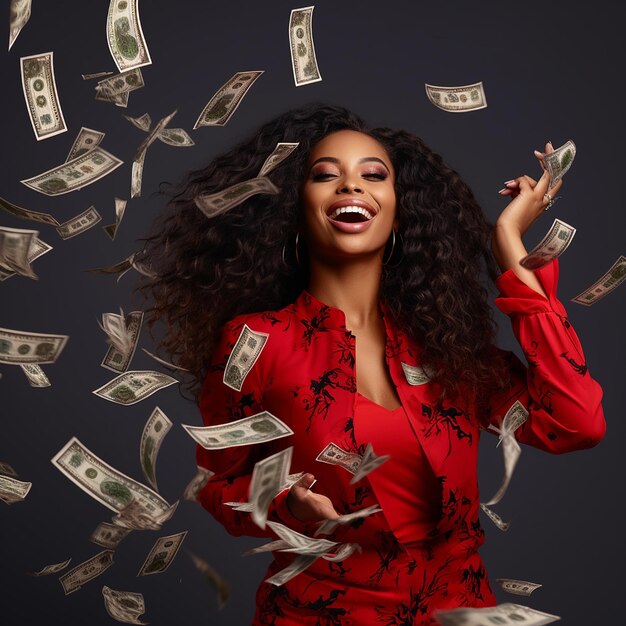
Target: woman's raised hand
[(307, 505), (529, 198)]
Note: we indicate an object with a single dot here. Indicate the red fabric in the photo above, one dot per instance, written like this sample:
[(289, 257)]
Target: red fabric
[(305, 376)]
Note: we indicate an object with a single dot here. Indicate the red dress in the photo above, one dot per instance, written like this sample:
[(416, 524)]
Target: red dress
[(305, 375)]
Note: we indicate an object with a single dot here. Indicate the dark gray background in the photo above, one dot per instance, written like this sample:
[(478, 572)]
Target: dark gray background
[(551, 70)]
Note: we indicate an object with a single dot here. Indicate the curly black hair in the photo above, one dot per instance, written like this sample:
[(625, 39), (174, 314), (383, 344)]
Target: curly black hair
[(208, 270)]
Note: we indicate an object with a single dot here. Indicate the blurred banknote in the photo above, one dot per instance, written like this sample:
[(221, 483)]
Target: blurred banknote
[(117, 88), (177, 137), (334, 455), (556, 241), (457, 99), (79, 224), (20, 14), (329, 525), (52, 569), (243, 356), (18, 346), (157, 426), (604, 285), (13, 490), (134, 386), (109, 535), (507, 614), (143, 122), (122, 333), (120, 209), (494, 517), (93, 75), (558, 162), (135, 517), (416, 375), (162, 554), (280, 153), (369, 463), (15, 244), (197, 483), (221, 586), (125, 37), (7, 470), (518, 587), (27, 214), (124, 606), (36, 249), (35, 375), (88, 570), (214, 203), (86, 140), (268, 476), (303, 60)]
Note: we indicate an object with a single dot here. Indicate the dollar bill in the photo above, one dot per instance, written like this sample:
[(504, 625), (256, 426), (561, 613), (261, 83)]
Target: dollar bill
[(20, 14), (122, 267), (257, 428), (555, 242), (220, 108), (74, 579), (214, 203), (157, 426), (143, 122), (329, 525), (124, 606), (120, 208), (343, 552), (164, 362), (79, 224), (134, 517), (12, 489), (109, 535), (104, 483), (268, 476), (494, 517), (458, 99), (40, 93), (177, 137), (18, 346), (297, 566), (75, 174), (507, 614), (127, 43), (27, 214), (35, 375), (136, 178), (244, 355), (154, 133), (518, 587), (279, 154), (604, 285), (162, 554), (36, 249), (247, 507), (221, 586), (369, 463), (51, 569), (416, 375), (117, 88), (558, 162), (15, 244), (86, 140), (95, 75), (122, 333), (272, 546), (303, 60), (197, 483), (7, 470), (334, 455), (134, 386), (299, 543)]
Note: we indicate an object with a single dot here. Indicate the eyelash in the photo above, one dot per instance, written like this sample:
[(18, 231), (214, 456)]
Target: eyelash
[(322, 176)]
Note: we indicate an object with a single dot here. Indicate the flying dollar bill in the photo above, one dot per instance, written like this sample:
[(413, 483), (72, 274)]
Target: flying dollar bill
[(299, 543), (157, 426), (75, 174), (303, 60), (558, 162), (268, 476), (40, 93), (109, 535), (279, 154), (416, 375), (135, 517), (507, 614), (51, 569), (197, 483), (134, 386), (20, 14), (297, 566), (95, 75), (244, 355), (35, 375), (127, 43), (604, 285), (104, 483), (117, 88), (79, 224), (86, 140), (257, 428), (334, 455), (457, 99), (329, 525), (7, 470), (124, 606), (163, 361), (162, 554), (123, 333), (13, 490), (220, 108), (368, 464), (74, 579), (15, 244), (143, 122), (221, 586), (495, 518), (555, 242), (518, 587), (18, 347), (36, 249), (177, 137), (215, 203), (27, 214)]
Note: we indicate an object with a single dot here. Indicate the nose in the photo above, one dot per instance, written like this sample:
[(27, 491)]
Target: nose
[(349, 187)]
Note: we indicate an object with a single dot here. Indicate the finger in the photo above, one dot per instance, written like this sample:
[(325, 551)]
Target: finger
[(549, 147), (542, 185), (302, 486), (526, 183)]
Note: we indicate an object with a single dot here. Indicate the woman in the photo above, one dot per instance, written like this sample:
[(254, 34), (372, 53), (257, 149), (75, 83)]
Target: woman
[(368, 260)]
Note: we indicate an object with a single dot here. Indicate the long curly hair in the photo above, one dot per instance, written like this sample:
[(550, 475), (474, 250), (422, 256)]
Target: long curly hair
[(208, 270)]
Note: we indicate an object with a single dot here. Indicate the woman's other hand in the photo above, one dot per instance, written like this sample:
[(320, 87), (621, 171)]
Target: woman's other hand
[(308, 506)]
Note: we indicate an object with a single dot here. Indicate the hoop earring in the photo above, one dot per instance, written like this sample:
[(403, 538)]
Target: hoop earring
[(393, 245), (297, 257)]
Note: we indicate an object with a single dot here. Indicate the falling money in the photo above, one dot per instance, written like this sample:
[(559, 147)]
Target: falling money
[(507, 614), (86, 140), (558, 162), (52, 569), (246, 351), (20, 14), (125, 37), (518, 587), (550, 247), (18, 347), (415, 375), (220, 201), (303, 61), (157, 426), (79, 224), (162, 554), (123, 333), (74, 579), (603, 286), (279, 154), (135, 386), (124, 606), (457, 99)]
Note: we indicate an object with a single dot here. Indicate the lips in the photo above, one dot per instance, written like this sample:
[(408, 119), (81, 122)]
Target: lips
[(351, 215)]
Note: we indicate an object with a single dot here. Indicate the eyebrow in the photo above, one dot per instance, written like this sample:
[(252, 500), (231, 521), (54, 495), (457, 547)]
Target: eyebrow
[(363, 160)]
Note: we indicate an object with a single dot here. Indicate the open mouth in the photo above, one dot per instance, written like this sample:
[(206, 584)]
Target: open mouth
[(351, 214)]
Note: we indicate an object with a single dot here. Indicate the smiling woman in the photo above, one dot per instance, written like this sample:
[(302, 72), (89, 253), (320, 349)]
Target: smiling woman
[(351, 311)]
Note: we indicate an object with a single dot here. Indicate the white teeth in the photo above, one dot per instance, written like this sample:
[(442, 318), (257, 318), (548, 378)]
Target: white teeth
[(351, 209)]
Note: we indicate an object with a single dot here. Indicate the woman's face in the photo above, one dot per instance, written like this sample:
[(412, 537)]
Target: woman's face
[(348, 197)]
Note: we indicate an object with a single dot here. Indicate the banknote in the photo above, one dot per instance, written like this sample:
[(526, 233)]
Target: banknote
[(120, 208), (177, 137), (329, 525), (257, 428), (86, 140), (75, 174), (35, 375), (221, 586), (117, 268), (15, 244), (197, 483), (79, 224), (272, 546), (604, 285), (127, 43), (518, 587), (343, 552), (136, 178), (268, 476), (247, 507), (162, 554), (299, 543), (507, 614), (18, 346), (297, 566), (12, 489), (164, 362), (303, 60), (7, 470), (220, 108), (109, 535), (457, 99), (495, 518), (104, 483), (123, 333), (279, 154), (134, 517), (334, 455), (116, 88), (244, 355), (369, 463), (36, 249), (558, 162), (88, 570), (157, 426), (124, 606), (27, 214), (214, 203), (19, 15), (132, 387), (415, 374), (95, 75), (40, 93), (555, 242), (51, 569), (143, 122)]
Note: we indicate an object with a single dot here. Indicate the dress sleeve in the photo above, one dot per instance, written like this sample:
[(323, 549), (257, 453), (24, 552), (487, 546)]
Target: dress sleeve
[(233, 466), (562, 399)]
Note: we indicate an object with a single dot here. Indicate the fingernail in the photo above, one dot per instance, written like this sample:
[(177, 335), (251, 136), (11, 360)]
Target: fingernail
[(509, 182), (503, 189), (311, 485), (549, 142), (537, 153)]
